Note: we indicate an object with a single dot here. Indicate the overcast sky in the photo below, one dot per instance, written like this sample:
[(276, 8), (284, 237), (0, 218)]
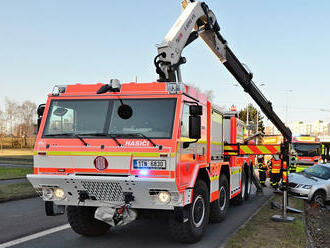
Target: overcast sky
[(284, 43)]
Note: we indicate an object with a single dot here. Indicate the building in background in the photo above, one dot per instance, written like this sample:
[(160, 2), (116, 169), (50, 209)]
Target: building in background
[(317, 128)]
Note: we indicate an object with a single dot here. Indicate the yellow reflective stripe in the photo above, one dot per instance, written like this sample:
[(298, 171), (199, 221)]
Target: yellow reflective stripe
[(230, 148), (121, 154), (263, 149), (235, 172), (231, 153), (216, 117), (214, 178), (183, 139), (276, 171), (246, 150)]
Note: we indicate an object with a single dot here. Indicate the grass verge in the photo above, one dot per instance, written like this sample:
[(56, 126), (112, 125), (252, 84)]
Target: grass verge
[(261, 231), (14, 173), (16, 191), (15, 156)]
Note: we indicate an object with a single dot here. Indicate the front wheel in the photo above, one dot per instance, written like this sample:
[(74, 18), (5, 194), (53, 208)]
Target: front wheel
[(82, 221), (319, 198), (193, 229)]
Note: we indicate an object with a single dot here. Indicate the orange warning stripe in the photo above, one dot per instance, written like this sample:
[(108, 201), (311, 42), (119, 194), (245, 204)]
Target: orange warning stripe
[(235, 150)]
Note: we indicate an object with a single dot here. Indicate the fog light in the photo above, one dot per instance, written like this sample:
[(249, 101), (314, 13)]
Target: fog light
[(59, 193), (47, 193), (164, 197)]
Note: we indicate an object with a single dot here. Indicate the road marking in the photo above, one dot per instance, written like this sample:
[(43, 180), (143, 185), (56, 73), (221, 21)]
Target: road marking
[(34, 236)]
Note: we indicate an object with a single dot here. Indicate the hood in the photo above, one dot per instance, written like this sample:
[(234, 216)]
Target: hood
[(300, 178)]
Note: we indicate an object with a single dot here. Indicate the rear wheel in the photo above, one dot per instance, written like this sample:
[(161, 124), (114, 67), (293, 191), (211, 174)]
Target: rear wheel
[(218, 208), (193, 229), (82, 221), (238, 200)]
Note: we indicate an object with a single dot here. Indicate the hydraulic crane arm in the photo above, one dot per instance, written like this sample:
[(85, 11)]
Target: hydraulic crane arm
[(196, 21)]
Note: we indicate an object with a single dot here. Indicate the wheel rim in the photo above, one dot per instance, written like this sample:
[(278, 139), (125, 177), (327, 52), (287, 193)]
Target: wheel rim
[(243, 185), (319, 200), (222, 198), (198, 211)]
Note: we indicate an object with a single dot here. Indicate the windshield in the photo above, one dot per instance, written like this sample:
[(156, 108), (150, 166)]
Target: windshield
[(307, 150), (150, 117), (319, 171)]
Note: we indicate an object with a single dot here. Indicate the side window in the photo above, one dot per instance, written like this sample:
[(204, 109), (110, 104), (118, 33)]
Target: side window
[(185, 121)]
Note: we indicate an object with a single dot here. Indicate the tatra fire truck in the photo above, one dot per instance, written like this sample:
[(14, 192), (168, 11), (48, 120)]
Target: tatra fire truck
[(109, 153)]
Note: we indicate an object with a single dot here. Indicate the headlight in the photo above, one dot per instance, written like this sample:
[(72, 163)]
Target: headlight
[(306, 186), (164, 197), (47, 193), (59, 193)]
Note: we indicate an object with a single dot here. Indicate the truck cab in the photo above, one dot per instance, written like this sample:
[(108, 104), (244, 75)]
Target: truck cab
[(137, 146)]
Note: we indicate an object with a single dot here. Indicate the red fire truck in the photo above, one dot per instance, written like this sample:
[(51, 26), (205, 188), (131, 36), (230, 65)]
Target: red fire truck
[(110, 152), (308, 150)]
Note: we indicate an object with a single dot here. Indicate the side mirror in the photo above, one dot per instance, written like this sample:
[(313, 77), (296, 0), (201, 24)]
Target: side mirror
[(195, 110), (194, 127), (40, 112)]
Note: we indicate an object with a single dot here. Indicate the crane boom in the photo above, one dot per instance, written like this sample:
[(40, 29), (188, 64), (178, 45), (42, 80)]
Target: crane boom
[(197, 20)]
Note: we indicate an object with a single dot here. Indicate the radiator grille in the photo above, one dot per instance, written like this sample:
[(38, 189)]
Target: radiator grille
[(292, 185), (104, 191)]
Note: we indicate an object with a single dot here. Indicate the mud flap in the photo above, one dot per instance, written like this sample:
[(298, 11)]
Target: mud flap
[(256, 182), (53, 209), (182, 213)]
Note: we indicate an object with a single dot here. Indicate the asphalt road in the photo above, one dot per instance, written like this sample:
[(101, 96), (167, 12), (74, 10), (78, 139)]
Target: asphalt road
[(25, 217), (11, 181)]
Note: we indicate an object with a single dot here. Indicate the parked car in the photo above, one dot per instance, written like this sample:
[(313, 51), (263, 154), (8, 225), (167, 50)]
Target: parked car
[(312, 184)]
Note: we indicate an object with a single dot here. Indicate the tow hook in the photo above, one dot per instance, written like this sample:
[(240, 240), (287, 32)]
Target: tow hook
[(118, 216)]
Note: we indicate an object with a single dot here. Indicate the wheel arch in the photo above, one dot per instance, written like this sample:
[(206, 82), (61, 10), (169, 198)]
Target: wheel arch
[(203, 175), (225, 171)]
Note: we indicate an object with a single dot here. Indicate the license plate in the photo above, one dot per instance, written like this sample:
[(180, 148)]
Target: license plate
[(149, 164)]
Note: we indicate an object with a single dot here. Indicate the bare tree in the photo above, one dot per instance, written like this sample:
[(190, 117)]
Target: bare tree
[(28, 114), (11, 113)]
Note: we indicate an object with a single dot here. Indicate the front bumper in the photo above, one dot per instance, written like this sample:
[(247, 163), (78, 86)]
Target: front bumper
[(109, 190), (300, 193)]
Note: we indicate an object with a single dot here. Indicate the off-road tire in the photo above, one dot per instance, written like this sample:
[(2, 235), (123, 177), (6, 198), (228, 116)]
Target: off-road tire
[(190, 231), (319, 198), (219, 208), (82, 221), (239, 199), (248, 185)]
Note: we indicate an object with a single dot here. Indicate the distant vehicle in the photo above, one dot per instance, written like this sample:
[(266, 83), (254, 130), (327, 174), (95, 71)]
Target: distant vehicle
[(308, 149), (312, 184)]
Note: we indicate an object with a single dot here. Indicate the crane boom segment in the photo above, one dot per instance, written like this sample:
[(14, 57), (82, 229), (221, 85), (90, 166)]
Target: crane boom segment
[(196, 21)]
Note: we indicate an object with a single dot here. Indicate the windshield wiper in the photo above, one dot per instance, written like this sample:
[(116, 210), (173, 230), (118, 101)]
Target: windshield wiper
[(136, 135), (104, 135), (69, 134)]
